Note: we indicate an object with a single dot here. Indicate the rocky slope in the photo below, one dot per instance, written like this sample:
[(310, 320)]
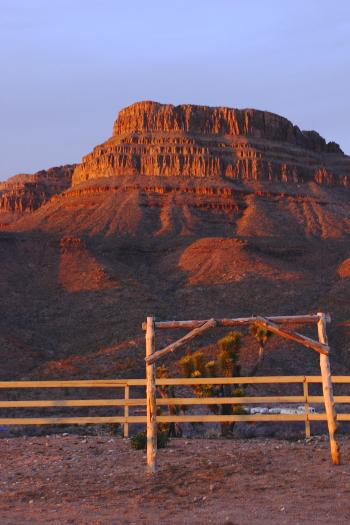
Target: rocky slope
[(186, 211), (25, 193)]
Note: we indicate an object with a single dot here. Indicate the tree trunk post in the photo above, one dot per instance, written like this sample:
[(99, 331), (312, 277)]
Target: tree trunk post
[(328, 391), (307, 409), (151, 400), (126, 411)]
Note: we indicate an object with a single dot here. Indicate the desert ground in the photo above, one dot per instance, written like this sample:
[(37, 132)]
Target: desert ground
[(78, 479)]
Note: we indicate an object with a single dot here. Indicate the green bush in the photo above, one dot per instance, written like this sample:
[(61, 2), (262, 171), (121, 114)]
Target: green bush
[(139, 441)]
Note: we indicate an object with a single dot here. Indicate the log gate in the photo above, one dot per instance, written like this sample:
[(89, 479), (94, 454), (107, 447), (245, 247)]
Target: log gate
[(275, 324)]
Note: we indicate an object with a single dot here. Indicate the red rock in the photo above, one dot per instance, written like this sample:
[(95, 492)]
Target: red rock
[(199, 141), (25, 193)]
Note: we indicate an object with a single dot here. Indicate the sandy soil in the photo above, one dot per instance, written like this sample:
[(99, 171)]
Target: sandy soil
[(101, 480)]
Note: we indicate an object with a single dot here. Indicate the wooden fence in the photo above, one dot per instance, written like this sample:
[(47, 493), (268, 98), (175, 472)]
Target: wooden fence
[(127, 401)]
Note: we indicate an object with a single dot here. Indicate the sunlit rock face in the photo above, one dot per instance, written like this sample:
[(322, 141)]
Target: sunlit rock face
[(196, 170), (25, 193), (155, 139)]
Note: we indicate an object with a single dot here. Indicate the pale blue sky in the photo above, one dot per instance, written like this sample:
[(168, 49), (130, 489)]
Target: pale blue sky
[(68, 66)]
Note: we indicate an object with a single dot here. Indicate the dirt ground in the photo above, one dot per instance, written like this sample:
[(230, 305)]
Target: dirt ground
[(68, 479)]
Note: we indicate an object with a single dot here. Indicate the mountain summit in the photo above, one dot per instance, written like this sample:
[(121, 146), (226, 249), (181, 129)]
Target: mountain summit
[(199, 141)]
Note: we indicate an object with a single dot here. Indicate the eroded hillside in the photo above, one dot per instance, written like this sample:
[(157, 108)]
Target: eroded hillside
[(185, 212)]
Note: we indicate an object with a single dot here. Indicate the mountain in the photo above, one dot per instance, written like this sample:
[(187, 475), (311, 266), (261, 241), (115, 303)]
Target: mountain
[(25, 193), (185, 212), (198, 141)]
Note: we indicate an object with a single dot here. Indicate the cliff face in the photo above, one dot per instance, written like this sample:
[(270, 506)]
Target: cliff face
[(25, 193), (199, 141), (184, 170), (144, 117)]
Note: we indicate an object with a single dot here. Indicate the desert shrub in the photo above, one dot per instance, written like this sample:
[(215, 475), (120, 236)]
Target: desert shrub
[(162, 439), (139, 441)]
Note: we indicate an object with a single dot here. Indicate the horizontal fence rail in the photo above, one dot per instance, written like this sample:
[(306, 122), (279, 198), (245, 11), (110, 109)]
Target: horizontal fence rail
[(127, 401)]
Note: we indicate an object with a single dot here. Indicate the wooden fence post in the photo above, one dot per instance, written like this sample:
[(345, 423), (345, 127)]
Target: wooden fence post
[(126, 410), (307, 409), (328, 391), (151, 400)]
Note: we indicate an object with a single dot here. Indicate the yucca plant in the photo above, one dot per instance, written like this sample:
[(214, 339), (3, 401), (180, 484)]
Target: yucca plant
[(166, 391), (226, 364), (262, 335), (229, 348)]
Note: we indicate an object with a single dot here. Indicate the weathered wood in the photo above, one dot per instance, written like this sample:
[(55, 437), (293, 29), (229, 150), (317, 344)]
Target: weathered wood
[(151, 400), (248, 400), (195, 418), (279, 319), (337, 399), (70, 420), (80, 383), (341, 379), (293, 336), (343, 417), (216, 418), (165, 401), (126, 411), (100, 383), (229, 400), (180, 342), (39, 403), (328, 392), (232, 380), (307, 409), (341, 399)]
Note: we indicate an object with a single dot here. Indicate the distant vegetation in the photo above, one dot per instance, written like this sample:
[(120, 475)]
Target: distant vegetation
[(224, 364)]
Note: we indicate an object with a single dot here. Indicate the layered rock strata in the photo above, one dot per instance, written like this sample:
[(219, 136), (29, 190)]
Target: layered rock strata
[(25, 193), (199, 141)]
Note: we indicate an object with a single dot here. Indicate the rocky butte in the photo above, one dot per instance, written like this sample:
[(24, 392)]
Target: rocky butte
[(199, 141), (185, 211)]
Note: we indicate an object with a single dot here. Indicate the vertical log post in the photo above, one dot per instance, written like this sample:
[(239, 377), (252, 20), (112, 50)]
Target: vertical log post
[(307, 409), (126, 410), (151, 400), (328, 391)]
